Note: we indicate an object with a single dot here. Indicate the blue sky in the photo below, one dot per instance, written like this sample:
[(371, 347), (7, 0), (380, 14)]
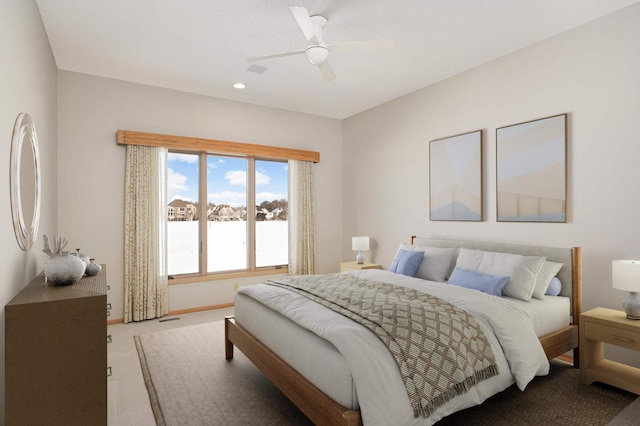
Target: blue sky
[(226, 179)]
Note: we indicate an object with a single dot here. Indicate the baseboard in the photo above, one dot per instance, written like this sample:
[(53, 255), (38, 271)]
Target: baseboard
[(182, 311), (201, 308)]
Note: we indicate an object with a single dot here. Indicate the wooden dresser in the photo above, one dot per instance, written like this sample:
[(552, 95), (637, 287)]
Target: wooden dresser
[(56, 354)]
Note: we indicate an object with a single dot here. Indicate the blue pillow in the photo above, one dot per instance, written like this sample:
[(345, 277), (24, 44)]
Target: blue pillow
[(554, 287), (486, 283), (399, 254), (406, 262)]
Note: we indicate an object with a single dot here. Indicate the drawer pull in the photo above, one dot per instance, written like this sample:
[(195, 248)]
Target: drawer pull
[(623, 339)]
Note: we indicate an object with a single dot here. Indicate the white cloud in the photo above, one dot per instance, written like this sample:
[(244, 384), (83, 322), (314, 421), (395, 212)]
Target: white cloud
[(268, 196), (236, 177), (212, 163), (185, 158), (176, 182), (228, 197), (239, 178), (180, 197), (262, 179)]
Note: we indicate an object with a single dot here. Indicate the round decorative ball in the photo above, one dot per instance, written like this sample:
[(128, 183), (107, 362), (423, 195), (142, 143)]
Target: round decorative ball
[(64, 269)]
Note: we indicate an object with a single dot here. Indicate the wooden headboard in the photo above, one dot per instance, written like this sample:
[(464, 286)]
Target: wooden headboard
[(570, 275)]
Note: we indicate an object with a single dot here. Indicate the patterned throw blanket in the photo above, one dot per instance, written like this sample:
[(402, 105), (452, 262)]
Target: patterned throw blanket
[(440, 349)]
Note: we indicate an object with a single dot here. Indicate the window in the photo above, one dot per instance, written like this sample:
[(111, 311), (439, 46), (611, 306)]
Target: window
[(183, 241), (243, 223), (272, 213), (265, 244)]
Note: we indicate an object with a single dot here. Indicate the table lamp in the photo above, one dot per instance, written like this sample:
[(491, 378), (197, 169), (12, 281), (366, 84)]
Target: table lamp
[(360, 244), (626, 276)]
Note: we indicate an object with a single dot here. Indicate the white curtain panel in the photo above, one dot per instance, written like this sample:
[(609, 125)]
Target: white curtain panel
[(302, 236), (146, 293)]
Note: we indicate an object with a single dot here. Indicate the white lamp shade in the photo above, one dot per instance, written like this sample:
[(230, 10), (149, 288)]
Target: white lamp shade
[(317, 54), (625, 275), (360, 243)]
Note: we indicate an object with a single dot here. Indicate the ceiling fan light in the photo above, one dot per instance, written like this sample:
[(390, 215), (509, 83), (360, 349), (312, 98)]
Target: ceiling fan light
[(317, 54)]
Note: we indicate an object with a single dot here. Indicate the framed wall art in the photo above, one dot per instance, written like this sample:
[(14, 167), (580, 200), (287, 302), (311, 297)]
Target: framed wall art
[(531, 171), (455, 177)]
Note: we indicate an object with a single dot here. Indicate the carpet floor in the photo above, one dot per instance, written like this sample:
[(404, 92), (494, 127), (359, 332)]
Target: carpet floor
[(190, 383)]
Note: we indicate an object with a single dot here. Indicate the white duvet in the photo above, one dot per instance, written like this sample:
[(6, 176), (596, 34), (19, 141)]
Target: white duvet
[(381, 393)]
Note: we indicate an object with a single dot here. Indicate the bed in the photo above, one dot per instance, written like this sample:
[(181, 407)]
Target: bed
[(323, 384)]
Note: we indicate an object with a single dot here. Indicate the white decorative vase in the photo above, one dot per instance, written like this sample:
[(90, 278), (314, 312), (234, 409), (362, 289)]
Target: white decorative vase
[(64, 269), (93, 268), (81, 256)]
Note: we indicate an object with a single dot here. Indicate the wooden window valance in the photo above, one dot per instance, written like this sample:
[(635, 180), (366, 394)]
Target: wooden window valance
[(128, 137)]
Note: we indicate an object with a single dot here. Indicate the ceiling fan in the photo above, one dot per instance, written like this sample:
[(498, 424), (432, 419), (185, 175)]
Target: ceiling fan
[(317, 51)]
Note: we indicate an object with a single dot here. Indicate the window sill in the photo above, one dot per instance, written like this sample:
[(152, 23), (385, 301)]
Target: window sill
[(189, 279)]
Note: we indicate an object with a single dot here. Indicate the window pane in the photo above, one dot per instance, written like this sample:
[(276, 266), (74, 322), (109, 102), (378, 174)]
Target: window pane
[(272, 213), (182, 213), (226, 213)]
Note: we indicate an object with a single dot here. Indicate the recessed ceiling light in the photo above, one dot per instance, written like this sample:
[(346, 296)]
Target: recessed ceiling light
[(239, 85)]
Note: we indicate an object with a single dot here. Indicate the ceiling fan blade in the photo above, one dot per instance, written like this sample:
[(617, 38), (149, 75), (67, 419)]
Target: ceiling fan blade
[(361, 45), (304, 22), (276, 55), (327, 71)]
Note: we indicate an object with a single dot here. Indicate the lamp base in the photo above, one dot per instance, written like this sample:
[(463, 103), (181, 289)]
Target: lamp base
[(360, 258), (631, 306)]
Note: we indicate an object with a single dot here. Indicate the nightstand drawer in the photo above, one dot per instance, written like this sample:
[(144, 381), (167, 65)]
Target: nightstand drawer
[(612, 335)]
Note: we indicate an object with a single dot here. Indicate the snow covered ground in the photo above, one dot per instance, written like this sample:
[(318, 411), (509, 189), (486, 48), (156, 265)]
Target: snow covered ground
[(226, 249)]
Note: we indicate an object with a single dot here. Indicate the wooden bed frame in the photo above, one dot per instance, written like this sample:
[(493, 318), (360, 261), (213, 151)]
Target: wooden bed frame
[(321, 409)]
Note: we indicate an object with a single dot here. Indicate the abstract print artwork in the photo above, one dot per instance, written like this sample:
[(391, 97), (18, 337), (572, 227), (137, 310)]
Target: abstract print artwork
[(531, 171), (455, 177)]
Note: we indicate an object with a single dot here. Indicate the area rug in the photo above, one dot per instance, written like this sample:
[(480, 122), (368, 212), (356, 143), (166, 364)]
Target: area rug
[(628, 416), (556, 399), (190, 383)]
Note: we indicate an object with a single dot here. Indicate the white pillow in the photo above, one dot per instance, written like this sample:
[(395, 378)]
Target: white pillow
[(521, 269), (438, 263), (544, 276)]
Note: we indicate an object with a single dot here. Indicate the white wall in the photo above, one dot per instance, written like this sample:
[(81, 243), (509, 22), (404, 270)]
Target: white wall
[(91, 166), (27, 84), (591, 73)]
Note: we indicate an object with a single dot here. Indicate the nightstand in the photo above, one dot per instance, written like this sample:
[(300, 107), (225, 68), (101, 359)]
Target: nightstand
[(599, 326), (355, 266)]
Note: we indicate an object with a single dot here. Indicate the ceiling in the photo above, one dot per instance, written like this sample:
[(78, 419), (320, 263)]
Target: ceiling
[(201, 46)]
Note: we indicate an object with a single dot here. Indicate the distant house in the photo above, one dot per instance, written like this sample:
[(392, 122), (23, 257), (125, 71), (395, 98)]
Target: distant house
[(240, 213), (182, 210), (264, 214), (223, 213)]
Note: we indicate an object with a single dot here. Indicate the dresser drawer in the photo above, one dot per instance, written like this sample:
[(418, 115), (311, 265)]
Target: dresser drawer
[(612, 335)]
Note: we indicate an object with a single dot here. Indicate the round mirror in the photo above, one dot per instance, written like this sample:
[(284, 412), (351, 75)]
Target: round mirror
[(24, 181)]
